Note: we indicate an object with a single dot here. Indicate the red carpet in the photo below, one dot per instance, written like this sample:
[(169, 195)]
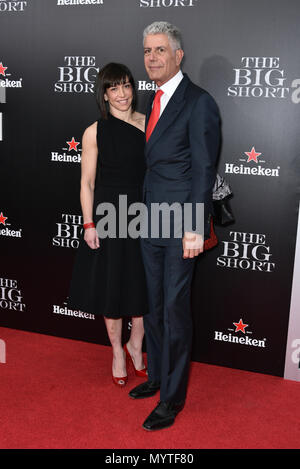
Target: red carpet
[(58, 393)]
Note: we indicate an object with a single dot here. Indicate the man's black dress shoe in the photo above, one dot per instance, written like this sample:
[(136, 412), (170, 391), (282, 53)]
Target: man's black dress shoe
[(162, 416), (143, 390)]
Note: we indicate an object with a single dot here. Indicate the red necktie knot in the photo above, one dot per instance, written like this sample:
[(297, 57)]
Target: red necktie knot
[(154, 116)]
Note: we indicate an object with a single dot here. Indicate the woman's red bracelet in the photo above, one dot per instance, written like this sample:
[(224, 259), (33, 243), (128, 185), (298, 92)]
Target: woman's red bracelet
[(89, 225)]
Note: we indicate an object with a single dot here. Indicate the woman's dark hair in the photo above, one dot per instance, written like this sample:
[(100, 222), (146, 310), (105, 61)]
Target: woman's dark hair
[(112, 74)]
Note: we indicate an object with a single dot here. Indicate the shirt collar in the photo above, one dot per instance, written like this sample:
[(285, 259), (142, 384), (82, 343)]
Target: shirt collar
[(170, 86)]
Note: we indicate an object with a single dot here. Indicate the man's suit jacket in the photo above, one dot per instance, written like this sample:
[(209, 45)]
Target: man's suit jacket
[(182, 151)]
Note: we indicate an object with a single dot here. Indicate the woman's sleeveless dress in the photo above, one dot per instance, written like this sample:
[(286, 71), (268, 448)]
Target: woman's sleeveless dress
[(110, 280)]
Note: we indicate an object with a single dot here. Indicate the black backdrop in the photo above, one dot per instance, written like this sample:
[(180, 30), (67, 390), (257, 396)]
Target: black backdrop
[(246, 55)]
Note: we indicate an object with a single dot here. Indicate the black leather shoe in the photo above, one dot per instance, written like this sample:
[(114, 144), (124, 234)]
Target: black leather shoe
[(143, 390), (163, 415)]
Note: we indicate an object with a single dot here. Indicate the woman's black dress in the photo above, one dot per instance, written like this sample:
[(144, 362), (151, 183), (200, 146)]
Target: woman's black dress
[(110, 280)]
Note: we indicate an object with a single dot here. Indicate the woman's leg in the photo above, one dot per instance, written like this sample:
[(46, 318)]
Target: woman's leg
[(134, 345), (114, 330)]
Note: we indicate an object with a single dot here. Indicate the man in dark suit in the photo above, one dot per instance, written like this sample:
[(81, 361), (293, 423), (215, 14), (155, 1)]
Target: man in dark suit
[(182, 143)]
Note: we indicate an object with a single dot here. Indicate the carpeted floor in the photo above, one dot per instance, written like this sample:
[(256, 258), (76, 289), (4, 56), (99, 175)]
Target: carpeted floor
[(58, 393)]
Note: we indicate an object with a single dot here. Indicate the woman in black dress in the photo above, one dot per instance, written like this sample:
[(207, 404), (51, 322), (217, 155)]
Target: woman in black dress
[(108, 274)]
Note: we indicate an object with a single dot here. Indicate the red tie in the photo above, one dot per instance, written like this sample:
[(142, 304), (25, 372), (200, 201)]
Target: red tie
[(154, 116)]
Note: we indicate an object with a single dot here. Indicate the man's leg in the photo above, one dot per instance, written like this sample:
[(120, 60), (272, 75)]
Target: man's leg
[(177, 339), (153, 258), (178, 325)]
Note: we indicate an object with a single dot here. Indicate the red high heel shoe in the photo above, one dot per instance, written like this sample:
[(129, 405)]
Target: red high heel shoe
[(120, 381), (141, 373)]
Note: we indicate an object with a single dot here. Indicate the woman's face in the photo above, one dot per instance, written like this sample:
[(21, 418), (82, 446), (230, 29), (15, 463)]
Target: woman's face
[(120, 96)]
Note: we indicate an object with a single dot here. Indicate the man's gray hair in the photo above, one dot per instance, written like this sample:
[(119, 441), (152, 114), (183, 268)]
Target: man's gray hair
[(162, 27)]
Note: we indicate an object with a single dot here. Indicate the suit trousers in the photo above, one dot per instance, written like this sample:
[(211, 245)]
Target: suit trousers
[(168, 325)]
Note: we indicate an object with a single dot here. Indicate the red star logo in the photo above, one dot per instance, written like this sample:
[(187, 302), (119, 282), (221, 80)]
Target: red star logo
[(252, 155), (2, 218), (72, 144), (240, 326), (2, 69)]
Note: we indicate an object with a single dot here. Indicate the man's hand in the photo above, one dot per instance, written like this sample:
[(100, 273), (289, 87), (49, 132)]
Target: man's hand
[(192, 244)]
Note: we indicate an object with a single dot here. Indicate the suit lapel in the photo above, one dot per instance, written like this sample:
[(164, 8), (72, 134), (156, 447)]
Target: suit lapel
[(149, 108), (173, 108)]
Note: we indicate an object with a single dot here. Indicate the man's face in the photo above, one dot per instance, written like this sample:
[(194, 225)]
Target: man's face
[(161, 61)]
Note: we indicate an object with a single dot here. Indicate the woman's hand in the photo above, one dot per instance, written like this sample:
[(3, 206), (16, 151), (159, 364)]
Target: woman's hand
[(91, 238)]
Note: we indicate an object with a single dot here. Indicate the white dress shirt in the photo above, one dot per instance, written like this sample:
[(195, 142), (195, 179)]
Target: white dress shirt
[(168, 88)]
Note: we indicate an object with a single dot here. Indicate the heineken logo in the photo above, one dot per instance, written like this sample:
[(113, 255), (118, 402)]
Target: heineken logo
[(239, 335)]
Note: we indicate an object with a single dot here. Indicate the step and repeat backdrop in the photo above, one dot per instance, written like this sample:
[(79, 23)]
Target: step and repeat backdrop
[(246, 55)]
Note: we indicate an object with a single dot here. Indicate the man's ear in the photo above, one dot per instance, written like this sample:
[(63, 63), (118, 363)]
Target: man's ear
[(179, 56)]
